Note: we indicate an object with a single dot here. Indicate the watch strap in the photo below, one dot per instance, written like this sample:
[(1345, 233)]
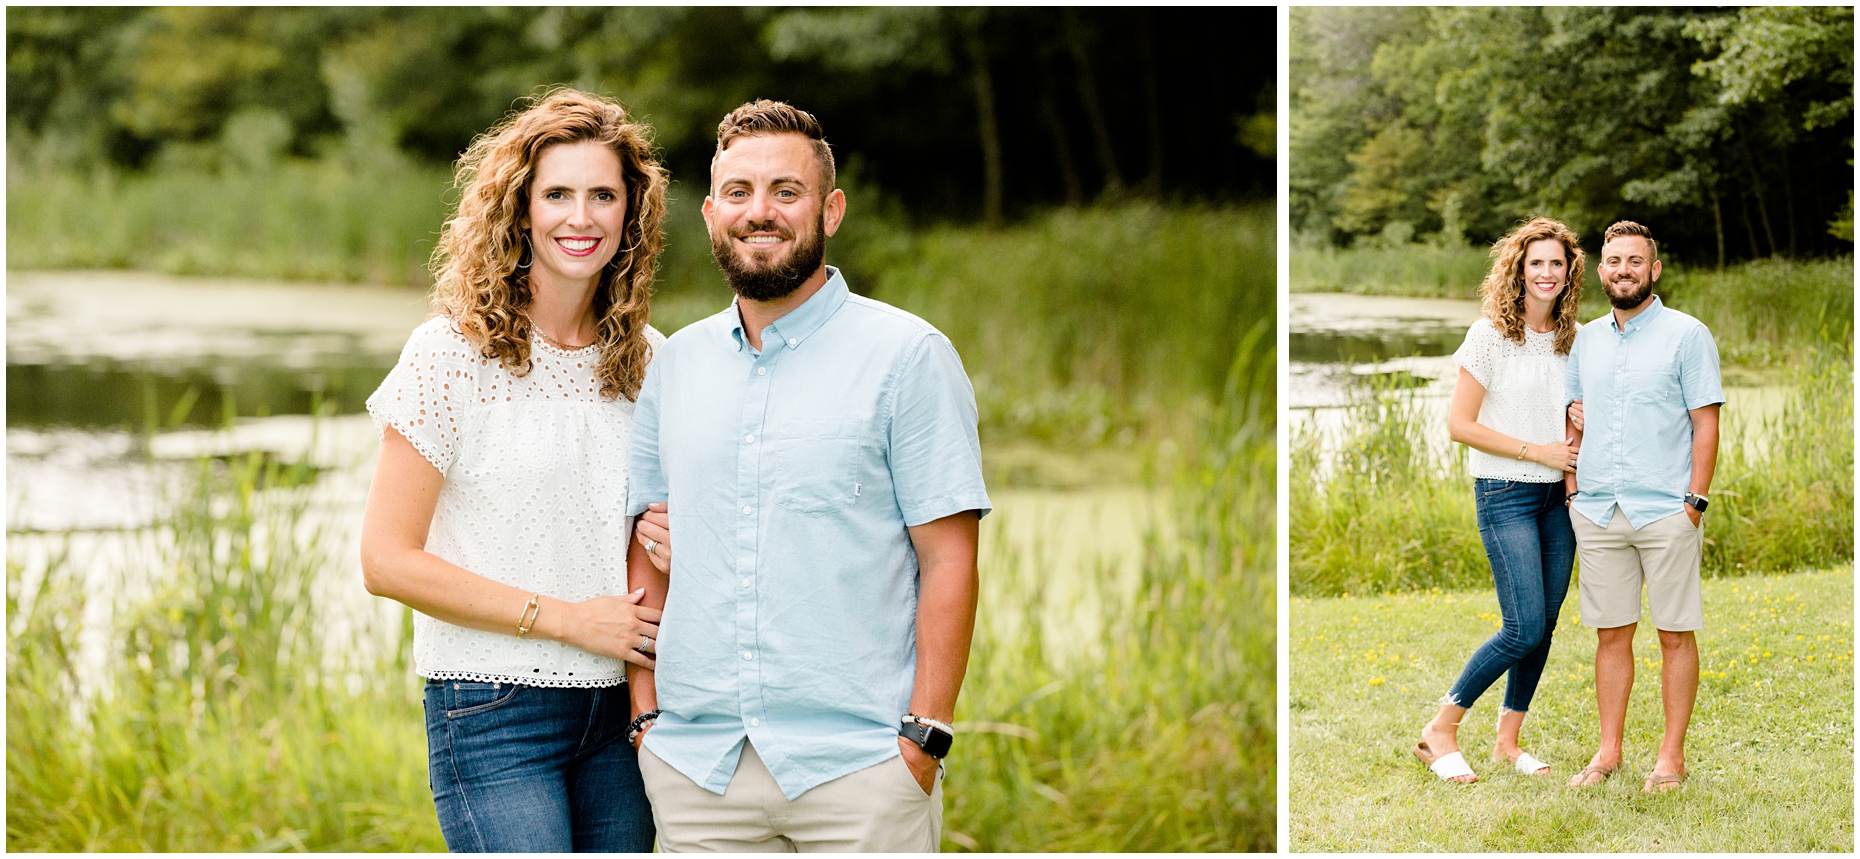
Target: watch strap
[(932, 736)]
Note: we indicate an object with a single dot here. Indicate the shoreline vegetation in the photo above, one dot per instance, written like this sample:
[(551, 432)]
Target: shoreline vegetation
[(1396, 514), (220, 724)]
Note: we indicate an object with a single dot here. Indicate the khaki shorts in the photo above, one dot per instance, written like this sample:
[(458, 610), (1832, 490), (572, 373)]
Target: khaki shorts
[(1617, 560), (879, 809)]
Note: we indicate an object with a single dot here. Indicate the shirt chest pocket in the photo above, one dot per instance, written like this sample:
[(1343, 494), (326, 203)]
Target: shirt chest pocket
[(814, 466), (1650, 385)]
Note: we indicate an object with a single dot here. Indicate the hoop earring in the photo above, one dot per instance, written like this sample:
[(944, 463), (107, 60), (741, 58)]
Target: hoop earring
[(523, 262)]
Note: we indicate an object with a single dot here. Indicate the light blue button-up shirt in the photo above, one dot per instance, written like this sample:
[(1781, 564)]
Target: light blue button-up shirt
[(792, 474), (1638, 384)]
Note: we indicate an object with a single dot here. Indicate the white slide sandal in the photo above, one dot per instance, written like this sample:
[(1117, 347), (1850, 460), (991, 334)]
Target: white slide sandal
[(1448, 767), (1529, 765)]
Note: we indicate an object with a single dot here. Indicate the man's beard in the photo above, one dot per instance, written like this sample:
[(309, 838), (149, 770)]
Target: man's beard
[(770, 282), (1632, 299)]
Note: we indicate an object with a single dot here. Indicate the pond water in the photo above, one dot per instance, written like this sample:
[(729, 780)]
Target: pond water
[(117, 383)]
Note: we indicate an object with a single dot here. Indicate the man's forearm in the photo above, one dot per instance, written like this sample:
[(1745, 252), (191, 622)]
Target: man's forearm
[(947, 594), (1575, 438), (640, 573), (945, 625), (1704, 449)]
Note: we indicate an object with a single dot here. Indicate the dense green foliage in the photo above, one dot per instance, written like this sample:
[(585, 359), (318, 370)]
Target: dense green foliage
[(1770, 748), (1717, 127), (946, 109)]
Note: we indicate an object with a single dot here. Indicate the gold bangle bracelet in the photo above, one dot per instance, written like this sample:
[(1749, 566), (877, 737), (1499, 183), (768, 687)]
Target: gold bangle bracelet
[(1521, 449), (530, 612)]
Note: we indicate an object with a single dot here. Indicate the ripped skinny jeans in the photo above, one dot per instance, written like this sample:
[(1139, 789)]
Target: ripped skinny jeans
[(1531, 547)]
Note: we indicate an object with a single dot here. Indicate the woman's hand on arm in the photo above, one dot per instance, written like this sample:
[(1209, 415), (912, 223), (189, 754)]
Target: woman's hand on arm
[(653, 530), (396, 565), (1464, 427)]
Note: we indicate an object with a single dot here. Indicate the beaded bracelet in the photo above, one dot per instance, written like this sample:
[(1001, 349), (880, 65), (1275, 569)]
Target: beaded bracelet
[(639, 724)]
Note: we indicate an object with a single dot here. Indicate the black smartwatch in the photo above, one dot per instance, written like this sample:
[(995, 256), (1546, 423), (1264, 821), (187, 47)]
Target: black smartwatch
[(929, 734), (1697, 502)]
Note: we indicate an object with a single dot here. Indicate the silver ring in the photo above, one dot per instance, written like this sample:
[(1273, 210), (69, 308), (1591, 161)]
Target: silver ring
[(647, 647), (652, 546)]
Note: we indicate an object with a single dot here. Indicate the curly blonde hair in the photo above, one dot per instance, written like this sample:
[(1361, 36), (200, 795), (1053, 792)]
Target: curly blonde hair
[(477, 282), (1503, 287)]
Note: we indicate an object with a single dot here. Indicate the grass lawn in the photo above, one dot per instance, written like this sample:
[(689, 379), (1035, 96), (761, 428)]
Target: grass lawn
[(1770, 749)]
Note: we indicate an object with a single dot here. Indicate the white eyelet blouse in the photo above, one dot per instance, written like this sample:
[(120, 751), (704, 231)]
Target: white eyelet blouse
[(534, 493), (1523, 397)]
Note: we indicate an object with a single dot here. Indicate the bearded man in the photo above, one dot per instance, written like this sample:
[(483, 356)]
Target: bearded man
[(1644, 381), (818, 454)]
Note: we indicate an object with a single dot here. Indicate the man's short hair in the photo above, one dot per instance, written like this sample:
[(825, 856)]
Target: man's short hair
[(1629, 228), (764, 116)]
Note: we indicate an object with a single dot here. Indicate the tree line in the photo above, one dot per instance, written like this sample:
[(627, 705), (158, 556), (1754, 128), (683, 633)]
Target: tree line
[(1727, 130), (957, 113)]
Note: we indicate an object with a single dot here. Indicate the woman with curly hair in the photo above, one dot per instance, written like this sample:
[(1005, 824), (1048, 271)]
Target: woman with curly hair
[(1508, 406), (497, 507)]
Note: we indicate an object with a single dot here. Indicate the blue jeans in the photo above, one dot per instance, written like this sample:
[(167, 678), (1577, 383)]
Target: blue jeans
[(527, 769), (1531, 547)]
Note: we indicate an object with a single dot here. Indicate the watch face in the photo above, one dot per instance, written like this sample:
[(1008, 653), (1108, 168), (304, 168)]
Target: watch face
[(936, 742)]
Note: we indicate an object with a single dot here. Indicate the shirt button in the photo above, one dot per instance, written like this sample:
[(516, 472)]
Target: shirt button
[(750, 438), (748, 510), (745, 581), (762, 371), (793, 343), (748, 656), (754, 722)]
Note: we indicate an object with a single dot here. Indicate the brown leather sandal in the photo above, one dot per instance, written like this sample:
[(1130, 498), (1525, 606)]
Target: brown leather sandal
[(1581, 780), (1663, 782)]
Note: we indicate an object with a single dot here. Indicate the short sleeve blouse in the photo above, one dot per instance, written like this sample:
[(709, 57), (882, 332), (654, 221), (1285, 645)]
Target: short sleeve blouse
[(534, 493), (1523, 397)]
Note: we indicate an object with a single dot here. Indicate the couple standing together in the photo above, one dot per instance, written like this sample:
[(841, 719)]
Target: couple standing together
[(789, 682), (1646, 378)]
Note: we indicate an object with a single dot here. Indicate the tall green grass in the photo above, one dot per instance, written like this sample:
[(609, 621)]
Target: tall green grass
[(221, 723), (1166, 742), (299, 219), (1395, 513), (218, 721), (1434, 271), (1090, 326)]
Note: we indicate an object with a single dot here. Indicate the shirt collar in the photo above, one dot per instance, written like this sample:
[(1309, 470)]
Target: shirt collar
[(795, 326), (1640, 320)]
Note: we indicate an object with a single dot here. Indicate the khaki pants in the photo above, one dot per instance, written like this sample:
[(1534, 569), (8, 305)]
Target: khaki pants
[(1616, 560), (879, 809)]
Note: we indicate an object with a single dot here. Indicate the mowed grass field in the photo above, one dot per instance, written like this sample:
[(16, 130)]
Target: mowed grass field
[(1770, 749)]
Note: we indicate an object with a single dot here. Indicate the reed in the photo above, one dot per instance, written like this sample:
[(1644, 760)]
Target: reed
[(1378, 509), (1166, 740), (212, 718)]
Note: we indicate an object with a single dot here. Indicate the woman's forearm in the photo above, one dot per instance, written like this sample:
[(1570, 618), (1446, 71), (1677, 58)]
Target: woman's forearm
[(396, 565)]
